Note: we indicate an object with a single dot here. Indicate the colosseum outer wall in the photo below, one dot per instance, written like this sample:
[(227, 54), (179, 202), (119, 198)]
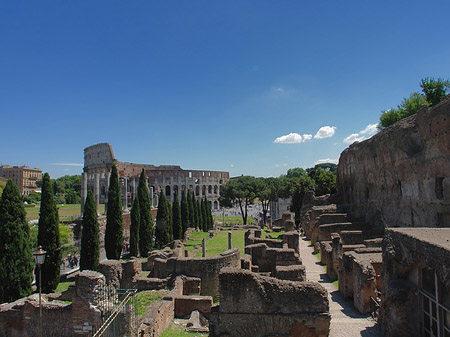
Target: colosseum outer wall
[(402, 173)]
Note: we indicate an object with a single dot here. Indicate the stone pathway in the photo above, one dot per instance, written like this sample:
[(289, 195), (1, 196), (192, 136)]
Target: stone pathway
[(346, 321)]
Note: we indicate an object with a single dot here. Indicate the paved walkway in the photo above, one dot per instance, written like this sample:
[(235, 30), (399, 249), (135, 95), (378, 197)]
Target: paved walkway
[(346, 321)]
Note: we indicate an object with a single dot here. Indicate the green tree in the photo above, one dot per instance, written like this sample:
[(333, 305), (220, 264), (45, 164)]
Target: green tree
[(191, 210), (146, 229), (434, 90), (16, 260), (114, 218), (325, 182), (48, 238), (296, 172), (134, 227), (209, 215), (184, 212), (177, 227), (196, 212), (298, 188), (90, 241), (204, 214), (162, 222), (241, 190), (170, 227), (200, 213)]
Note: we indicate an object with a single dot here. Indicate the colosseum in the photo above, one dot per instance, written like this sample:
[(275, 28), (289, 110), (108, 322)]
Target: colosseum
[(98, 160)]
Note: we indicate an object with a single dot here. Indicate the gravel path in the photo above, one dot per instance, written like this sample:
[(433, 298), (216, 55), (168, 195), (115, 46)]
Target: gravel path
[(346, 321)]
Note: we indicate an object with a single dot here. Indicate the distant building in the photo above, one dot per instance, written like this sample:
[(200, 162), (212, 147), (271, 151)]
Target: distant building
[(23, 176), (98, 160)]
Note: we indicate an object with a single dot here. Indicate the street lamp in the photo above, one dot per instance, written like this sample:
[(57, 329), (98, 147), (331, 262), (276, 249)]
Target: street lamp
[(39, 258)]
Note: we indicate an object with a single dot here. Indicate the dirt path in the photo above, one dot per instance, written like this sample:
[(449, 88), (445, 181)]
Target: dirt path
[(346, 321)]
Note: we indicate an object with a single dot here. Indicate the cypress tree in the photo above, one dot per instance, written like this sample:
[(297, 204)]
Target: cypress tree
[(146, 229), (90, 241), (191, 210), (184, 213), (114, 218), (199, 214), (169, 210), (210, 220), (134, 227), (16, 259), (162, 222), (48, 238), (204, 215), (176, 219)]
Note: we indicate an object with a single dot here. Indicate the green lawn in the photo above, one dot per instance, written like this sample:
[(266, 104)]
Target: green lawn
[(274, 235), (144, 298), (233, 219), (69, 210), (199, 236), (62, 286), (219, 243), (180, 332)]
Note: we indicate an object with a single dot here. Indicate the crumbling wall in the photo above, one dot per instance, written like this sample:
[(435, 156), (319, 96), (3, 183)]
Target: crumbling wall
[(401, 174), (254, 305)]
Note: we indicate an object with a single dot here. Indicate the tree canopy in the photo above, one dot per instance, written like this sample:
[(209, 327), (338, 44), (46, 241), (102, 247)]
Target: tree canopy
[(90, 241), (146, 229), (114, 218)]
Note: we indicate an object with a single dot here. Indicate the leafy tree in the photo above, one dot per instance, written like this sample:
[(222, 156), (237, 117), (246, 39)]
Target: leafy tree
[(16, 260), (327, 167), (48, 238), (241, 190), (170, 227), (434, 90), (176, 218), (196, 212), (268, 189), (325, 182), (146, 229), (296, 172), (90, 241), (191, 210), (162, 222), (209, 215), (204, 214), (134, 227), (299, 187), (185, 217), (114, 218), (389, 117)]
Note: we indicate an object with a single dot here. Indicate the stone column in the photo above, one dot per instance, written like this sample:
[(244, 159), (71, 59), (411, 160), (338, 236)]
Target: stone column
[(203, 247), (229, 241), (83, 191), (97, 190), (134, 188)]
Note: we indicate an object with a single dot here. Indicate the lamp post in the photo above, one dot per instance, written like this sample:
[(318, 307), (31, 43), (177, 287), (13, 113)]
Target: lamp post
[(39, 258)]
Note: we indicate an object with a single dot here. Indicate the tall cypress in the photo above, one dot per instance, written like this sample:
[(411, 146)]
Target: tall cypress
[(48, 238), (199, 214), (90, 241), (146, 228), (134, 227), (16, 260), (184, 213), (209, 220), (114, 218), (169, 210), (177, 227), (204, 215), (162, 222), (191, 210)]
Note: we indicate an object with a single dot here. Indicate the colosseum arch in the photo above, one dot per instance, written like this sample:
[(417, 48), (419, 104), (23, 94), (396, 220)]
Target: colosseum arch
[(168, 191), (216, 205), (209, 189), (204, 190), (197, 190), (215, 189)]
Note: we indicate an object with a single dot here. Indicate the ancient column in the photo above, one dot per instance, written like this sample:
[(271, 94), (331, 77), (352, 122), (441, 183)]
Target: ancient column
[(229, 241), (134, 188), (83, 191), (97, 190)]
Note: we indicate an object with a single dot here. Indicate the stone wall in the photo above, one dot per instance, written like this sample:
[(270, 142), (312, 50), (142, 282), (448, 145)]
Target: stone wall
[(407, 253), (254, 305), (402, 174), (207, 269)]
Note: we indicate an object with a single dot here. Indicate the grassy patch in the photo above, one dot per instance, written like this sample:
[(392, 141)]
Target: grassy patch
[(189, 248), (219, 243), (274, 235), (68, 210), (145, 298), (180, 331), (336, 283), (233, 219), (318, 256), (62, 286), (198, 236)]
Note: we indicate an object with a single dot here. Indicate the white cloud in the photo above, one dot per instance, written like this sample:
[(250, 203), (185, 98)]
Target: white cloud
[(328, 160), (368, 132), (291, 138), (284, 164), (306, 137), (277, 165), (354, 137), (232, 165), (67, 164), (325, 132)]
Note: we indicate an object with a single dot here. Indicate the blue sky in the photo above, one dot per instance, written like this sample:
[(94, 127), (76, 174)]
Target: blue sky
[(219, 85)]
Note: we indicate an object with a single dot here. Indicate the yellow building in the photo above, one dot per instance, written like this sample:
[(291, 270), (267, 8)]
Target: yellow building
[(25, 177)]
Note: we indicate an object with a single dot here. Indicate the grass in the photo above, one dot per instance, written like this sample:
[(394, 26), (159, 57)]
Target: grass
[(180, 331), (198, 236), (233, 219), (336, 283), (145, 298), (319, 256), (68, 210), (219, 243), (274, 235), (62, 286)]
